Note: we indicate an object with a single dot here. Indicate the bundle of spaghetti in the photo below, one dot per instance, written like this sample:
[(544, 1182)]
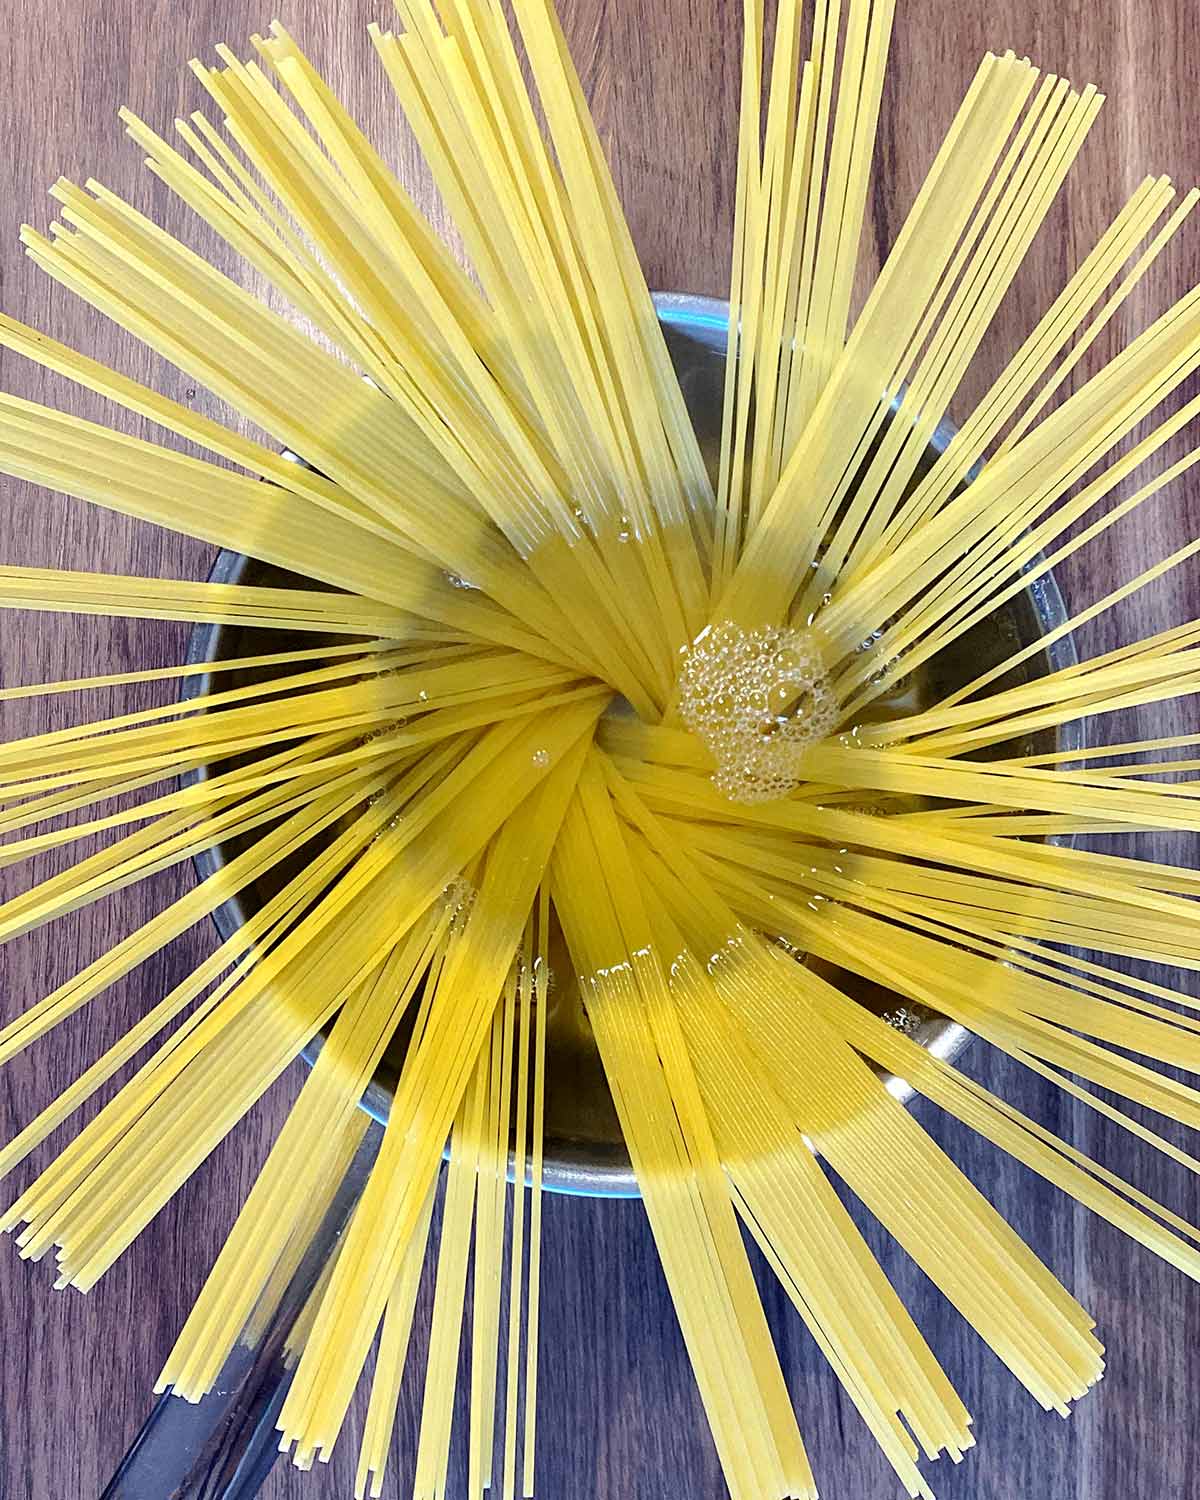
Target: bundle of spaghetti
[(467, 1144), (428, 1094), (1029, 1001), (436, 838), (911, 292), (1034, 363), (670, 1143), (949, 842), (457, 698), (491, 1177), (363, 461), (490, 478), (1040, 469), (1065, 319), (135, 598), (249, 944), (801, 1227), (398, 1318), (391, 1360), (958, 1094), (1152, 670), (302, 1158), (257, 123), (880, 485), (1036, 997), (1047, 140), (851, 1105), (383, 684), (791, 1209), (237, 1050), (476, 1192), (563, 262), (801, 192)]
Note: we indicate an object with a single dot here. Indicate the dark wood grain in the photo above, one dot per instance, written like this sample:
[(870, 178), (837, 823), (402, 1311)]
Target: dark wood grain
[(620, 1413)]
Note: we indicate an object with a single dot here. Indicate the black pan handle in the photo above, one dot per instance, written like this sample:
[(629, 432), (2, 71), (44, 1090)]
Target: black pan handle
[(223, 1447)]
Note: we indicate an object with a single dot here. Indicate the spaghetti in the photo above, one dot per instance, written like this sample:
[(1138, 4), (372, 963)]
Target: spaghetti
[(509, 527)]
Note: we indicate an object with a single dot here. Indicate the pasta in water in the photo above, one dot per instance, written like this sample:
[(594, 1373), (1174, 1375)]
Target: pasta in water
[(552, 676)]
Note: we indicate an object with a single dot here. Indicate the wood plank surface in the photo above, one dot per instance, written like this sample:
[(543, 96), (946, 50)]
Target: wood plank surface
[(620, 1415)]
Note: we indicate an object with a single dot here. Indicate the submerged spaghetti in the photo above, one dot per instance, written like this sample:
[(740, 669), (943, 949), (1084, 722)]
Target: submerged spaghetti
[(509, 525)]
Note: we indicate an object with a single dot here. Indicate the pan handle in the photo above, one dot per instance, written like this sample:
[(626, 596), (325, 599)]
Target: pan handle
[(223, 1447)]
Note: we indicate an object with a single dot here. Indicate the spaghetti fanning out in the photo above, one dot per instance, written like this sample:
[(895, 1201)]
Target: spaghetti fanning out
[(569, 685)]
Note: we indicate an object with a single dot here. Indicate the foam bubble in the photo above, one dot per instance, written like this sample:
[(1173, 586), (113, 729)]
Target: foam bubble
[(382, 731), (757, 699), (459, 897)]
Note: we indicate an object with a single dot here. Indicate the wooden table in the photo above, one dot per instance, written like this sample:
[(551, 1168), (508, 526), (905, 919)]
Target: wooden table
[(620, 1414)]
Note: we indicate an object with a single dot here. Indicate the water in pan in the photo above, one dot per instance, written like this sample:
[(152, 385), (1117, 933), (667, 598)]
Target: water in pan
[(584, 1151)]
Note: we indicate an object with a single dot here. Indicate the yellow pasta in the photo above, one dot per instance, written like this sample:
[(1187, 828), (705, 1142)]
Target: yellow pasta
[(552, 705)]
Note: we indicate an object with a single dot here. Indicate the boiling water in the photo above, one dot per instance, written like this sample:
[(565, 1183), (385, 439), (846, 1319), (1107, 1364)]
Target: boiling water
[(584, 1149)]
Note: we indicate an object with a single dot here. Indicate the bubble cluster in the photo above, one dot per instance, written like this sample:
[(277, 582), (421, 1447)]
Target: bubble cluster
[(905, 1018), (459, 897), (757, 699), (382, 731), (552, 983)]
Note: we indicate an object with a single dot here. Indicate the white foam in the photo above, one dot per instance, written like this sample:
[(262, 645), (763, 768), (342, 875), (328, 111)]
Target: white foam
[(757, 699)]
